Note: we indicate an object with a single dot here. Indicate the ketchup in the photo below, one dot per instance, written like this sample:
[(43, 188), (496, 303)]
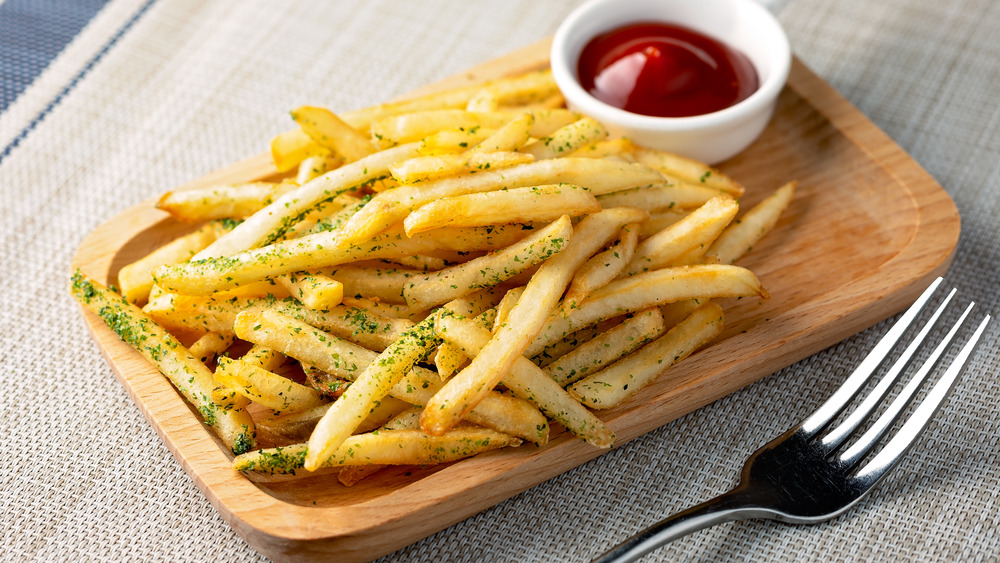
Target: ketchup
[(665, 70)]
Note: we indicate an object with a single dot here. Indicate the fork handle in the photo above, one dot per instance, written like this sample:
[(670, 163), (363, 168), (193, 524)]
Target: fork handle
[(727, 507)]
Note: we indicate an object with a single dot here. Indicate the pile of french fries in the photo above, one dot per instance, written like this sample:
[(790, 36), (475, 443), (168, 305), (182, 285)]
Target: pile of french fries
[(435, 278)]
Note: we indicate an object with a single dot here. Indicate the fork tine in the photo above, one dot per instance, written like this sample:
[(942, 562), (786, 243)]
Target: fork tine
[(897, 446), (837, 436), (819, 419), (865, 442)]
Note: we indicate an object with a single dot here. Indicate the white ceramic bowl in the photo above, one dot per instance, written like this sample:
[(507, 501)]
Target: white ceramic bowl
[(713, 137)]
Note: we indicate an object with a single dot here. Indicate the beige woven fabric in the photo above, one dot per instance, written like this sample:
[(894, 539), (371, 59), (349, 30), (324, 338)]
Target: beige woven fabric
[(193, 85)]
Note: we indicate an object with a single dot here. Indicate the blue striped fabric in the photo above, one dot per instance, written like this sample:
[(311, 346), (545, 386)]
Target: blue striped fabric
[(32, 34)]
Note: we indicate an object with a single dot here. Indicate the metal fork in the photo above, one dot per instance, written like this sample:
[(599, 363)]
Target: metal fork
[(803, 476)]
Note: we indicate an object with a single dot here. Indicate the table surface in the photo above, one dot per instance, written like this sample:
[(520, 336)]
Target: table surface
[(113, 101)]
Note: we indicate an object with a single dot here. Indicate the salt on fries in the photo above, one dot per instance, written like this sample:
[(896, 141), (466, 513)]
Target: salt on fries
[(433, 279)]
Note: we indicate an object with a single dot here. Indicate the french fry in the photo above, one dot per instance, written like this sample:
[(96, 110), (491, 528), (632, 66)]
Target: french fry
[(188, 375), (603, 267), (315, 166), (607, 347), (623, 379), (620, 146), (650, 289), (509, 137), (740, 237), (505, 306), (294, 428), (659, 197), (233, 201), (208, 347), (136, 279), (422, 168), (688, 170), (272, 221), (697, 231), (321, 250), (463, 391), (526, 381), (598, 176), (453, 141), (266, 388), (659, 220), (290, 148), (406, 420), (328, 130), (428, 290), (315, 290), (399, 447), (518, 205), (567, 139)]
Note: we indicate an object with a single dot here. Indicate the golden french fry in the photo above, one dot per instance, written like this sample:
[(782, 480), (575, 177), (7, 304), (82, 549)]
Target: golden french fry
[(620, 146), (598, 176), (612, 385), (315, 166), (603, 267), (518, 205), (527, 381), (646, 290), (463, 391), (659, 220), (422, 168), (659, 196), (452, 141), (567, 139), (399, 447), (136, 279), (406, 420), (510, 137), (328, 130), (408, 127), (290, 148), (272, 221), (505, 306), (188, 375), (688, 170), (315, 290), (697, 231), (233, 201), (266, 388), (740, 237), (607, 347), (211, 345), (428, 290), (321, 250)]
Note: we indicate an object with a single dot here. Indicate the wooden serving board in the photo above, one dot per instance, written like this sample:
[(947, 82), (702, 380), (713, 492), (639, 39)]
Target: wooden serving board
[(867, 231)]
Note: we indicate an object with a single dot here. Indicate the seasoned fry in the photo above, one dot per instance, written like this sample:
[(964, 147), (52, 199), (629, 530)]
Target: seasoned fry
[(263, 387), (462, 392), (598, 176), (607, 347), (321, 250), (315, 290), (234, 201), (659, 197), (422, 168), (527, 381), (650, 289), (290, 148), (603, 267), (208, 347), (399, 447), (188, 375), (510, 137), (328, 130), (518, 205), (696, 231), (740, 237), (612, 385), (272, 221), (688, 170), (428, 290), (567, 139), (136, 279)]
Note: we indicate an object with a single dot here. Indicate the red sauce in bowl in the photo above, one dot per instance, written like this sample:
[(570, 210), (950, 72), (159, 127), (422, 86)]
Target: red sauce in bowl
[(665, 70)]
